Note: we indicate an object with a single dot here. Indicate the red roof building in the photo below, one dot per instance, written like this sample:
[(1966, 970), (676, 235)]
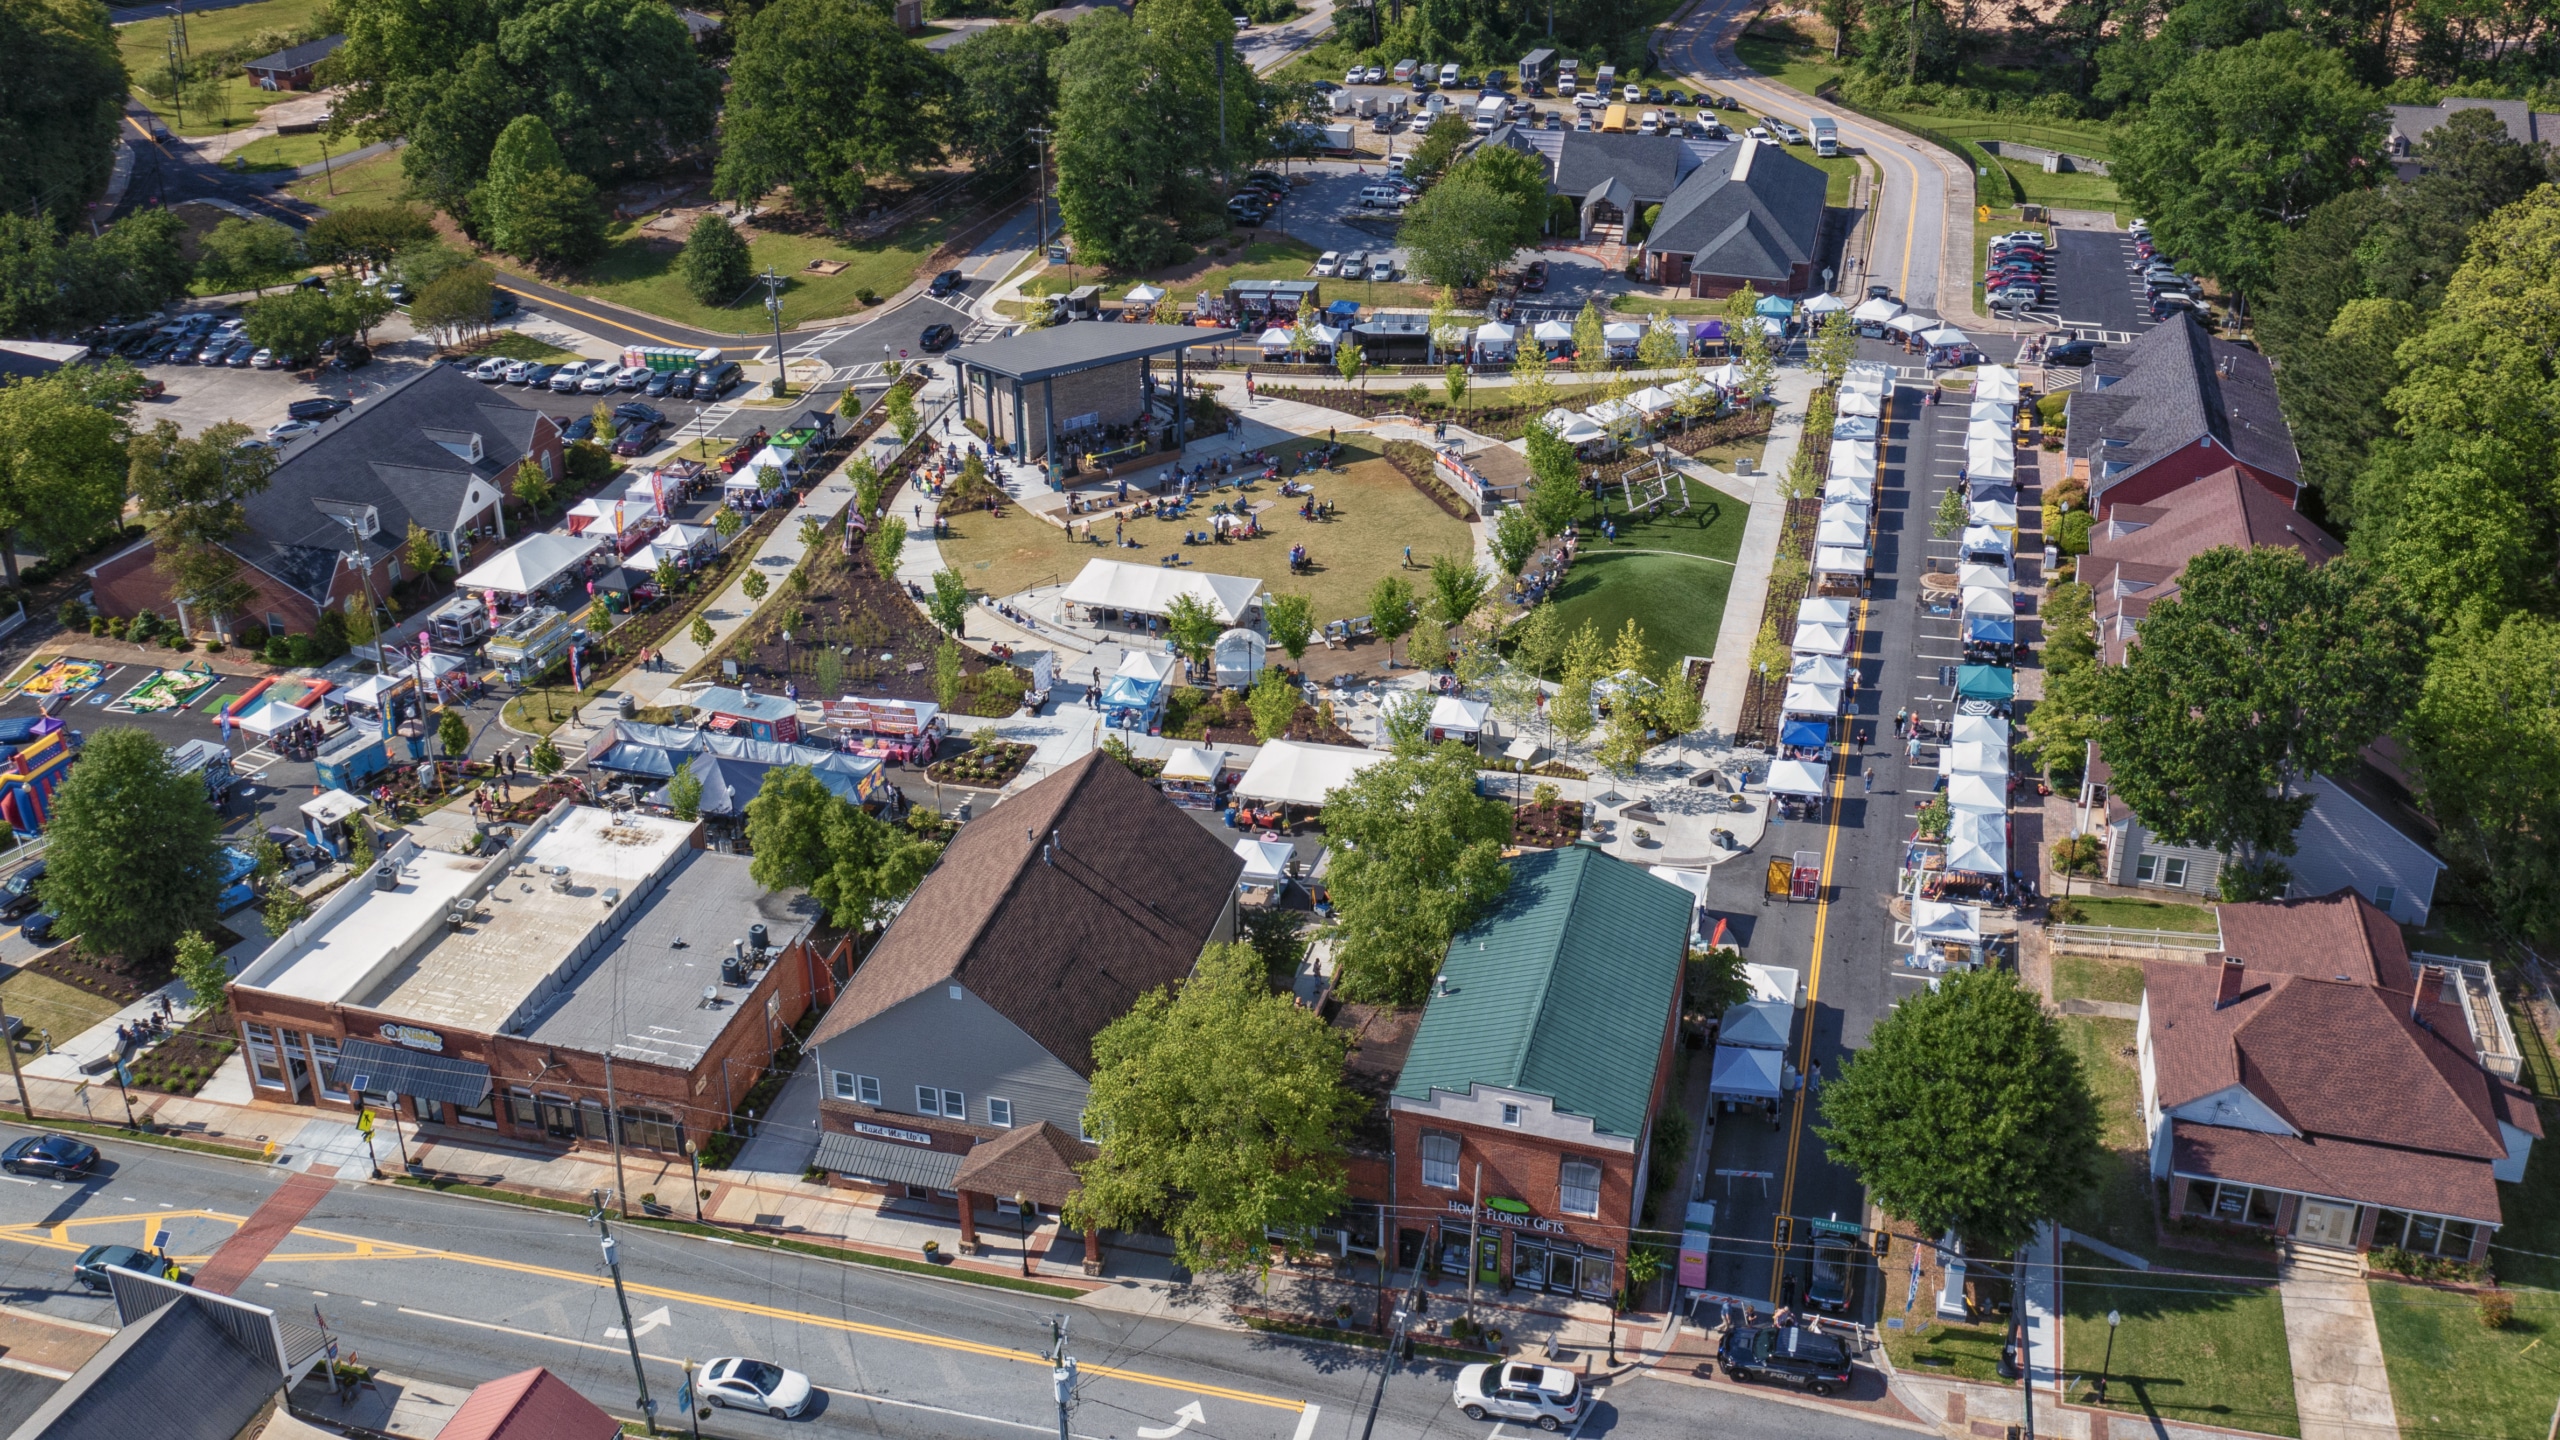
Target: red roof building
[(529, 1405), (2315, 1080)]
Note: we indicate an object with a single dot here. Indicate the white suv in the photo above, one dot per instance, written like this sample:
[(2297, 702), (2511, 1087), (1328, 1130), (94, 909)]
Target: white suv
[(1381, 197), (1329, 263), (1543, 1395)]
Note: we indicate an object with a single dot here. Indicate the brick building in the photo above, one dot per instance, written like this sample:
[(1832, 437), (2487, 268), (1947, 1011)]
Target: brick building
[(2179, 406), (439, 451), (1039, 390), (1523, 1112), (599, 957)]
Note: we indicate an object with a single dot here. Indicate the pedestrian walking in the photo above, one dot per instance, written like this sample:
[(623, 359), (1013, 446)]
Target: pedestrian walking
[(1901, 719), (1912, 753), (1869, 776)]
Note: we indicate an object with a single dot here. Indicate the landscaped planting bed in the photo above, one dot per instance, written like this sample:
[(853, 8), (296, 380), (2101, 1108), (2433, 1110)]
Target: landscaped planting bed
[(987, 767)]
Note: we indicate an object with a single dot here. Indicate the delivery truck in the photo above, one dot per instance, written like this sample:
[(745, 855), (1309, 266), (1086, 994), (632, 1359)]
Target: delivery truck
[(1490, 112), (1826, 135)]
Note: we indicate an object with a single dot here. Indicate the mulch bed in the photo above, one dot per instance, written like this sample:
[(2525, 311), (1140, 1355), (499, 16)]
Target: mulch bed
[(1414, 462), (1233, 725), (1761, 696), (181, 1064), (527, 808), (111, 976), (1554, 824), (990, 768)]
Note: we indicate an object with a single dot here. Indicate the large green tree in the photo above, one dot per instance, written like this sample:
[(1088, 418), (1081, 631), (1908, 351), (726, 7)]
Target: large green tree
[(2261, 671), (1417, 857), (1516, 176), (2240, 145), (1221, 1112), (1140, 124), (295, 323), (716, 263), (1967, 1111), (1001, 87), (805, 836), (193, 492), (62, 458), (1459, 231), (366, 237), (130, 863), (58, 113), (249, 254), (828, 98), (2486, 734)]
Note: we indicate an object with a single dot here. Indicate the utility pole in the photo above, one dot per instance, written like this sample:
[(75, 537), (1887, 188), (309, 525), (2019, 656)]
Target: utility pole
[(1040, 197), (613, 1135), (773, 305), (1062, 1370), (613, 1262), (14, 1073)]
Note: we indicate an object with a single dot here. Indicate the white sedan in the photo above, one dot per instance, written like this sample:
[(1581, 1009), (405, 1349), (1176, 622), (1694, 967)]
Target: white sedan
[(739, 1384), (291, 430), (1544, 1395)]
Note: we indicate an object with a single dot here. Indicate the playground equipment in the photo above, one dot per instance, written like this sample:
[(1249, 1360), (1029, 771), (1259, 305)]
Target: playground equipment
[(28, 780)]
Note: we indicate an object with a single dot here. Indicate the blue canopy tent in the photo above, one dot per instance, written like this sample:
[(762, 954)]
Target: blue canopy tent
[(1344, 311), (632, 758), (1804, 732), (1991, 629), (1135, 693), (1775, 307), (1985, 682), (728, 784)]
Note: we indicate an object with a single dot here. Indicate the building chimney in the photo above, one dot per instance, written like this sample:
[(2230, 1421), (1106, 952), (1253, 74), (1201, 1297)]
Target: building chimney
[(2235, 978)]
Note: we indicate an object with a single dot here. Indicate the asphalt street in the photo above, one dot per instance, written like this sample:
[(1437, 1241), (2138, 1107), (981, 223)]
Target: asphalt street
[(456, 1291)]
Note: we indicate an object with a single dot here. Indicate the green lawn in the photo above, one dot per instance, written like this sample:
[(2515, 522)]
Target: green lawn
[(638, 272), (144, 45), (2194, 1350), (2118, 1209), (2127, 913), (2523, 1248), (286, 152), (1677, 600), (2077, 977), (2451, 1377), (516, 345), (377, 181), (50, 1005), (1840, 168), (1965, 1352)]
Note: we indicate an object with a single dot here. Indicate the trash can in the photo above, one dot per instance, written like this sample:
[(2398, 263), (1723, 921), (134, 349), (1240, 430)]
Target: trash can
[(628, 708)]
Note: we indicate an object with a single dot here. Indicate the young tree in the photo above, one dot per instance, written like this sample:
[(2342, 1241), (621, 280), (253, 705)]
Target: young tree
[(1833, 344), (1538, 641), (295, 324), (1426, 645), (755, 585), (1660, 349), (455, 304), (1458, 232), (1590, 340), (888, 540), (700, 632), (130, 866), (1274, 701), (827, 99), (901, 404), (684, 795), (533, 488), (1555, 491), (716, 263), (359, 308), (1681, 703), (1530, 387), (1439, 144), (727, 524), (453, 733), (249, 255), (1418, 858), (1405, 721), (62, 461), (946, 674), (1948, 522), (198, 965), (422, 549), (1222, 1110), (1346, 359), (1967, 1111), (1515, 539), (1193, 627), (1291, 619), (950, 602), (1447, 330), (2262, 671), (1455, 383), (856, 865), (1458, 587), (546, 759), (1585, 661), (1391, 609)]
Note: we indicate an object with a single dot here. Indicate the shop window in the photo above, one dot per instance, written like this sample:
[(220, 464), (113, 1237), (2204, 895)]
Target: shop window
[(1000, 1112), (1440, 1161), (2426, 1232), (324, 1060), (2458, 1238), (591, 1122), (2262, 1207), (521, 1112), (484, 1114), (650, 1129), (2390, 1227), (266, 1066), (1578, 1187)]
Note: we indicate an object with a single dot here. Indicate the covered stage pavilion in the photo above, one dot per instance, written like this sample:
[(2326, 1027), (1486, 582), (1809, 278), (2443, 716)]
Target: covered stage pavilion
[(1030, 389)]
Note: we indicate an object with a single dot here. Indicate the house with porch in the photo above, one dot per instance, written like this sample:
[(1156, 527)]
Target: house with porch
[(2315, 1082), (959, 1057)]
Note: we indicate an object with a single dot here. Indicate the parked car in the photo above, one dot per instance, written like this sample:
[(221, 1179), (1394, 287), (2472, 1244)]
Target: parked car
[(241, 354), (716, 380), (659, 381), (320, 408), (631, 377), (1355, 264), (937, 338), (1352, 75), (1653, 94), (564, 381), (680, 383), (1377, 75), (740, 1384), (265, 359), (1376, 197), (1757, 132), (1448, 76), (1787, 133), (493, 371), (582, 427), (1382, 267), (630, 410), (1797, 1355), (949, 282), (38, 928), (285, 430), (538, 376), (2071, 352), (1329, 263), (1835, 1271), (636, 438), (1547, 1396), (92, 1266), (60, 1157), (1533, 278), (18, 892)]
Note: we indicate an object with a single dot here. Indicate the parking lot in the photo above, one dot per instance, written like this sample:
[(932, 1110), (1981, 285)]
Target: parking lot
[(1324, 210), (2095, 287)]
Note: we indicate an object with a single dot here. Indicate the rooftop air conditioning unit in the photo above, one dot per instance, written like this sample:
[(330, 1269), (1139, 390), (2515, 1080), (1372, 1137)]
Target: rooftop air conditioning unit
[(612, 898)]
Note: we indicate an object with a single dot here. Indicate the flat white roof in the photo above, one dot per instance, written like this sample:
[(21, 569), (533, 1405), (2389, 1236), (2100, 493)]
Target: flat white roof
[(1149, 589), (1300, 774), (540, 910)]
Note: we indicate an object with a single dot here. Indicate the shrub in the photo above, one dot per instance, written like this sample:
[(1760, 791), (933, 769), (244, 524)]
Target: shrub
[(73, 615), (2077, 855), (2066, 912), (2497, 1309)]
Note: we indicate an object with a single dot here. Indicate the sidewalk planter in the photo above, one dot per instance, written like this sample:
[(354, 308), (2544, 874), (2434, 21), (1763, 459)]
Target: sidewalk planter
[(933, 1253)]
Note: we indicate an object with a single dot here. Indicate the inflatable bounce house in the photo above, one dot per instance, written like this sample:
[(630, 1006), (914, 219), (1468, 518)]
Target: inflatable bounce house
[(28, 778)]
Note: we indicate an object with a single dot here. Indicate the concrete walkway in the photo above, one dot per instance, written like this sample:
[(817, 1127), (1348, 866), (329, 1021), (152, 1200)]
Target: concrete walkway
[(2340, 1385), (1749, 593)]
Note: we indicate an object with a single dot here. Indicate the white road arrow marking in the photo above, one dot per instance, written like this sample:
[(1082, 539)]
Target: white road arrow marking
[(651, 1321), (1183, 1419)]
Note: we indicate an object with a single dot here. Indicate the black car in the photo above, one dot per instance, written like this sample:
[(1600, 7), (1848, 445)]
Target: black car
[(680, 383), (1835, 1270), (1653, 94), (660, 382), (938, 338), (59, 1157), (716, 380), (539, 377), (582, 428), (949, 282), (636, 438), (18, 893), (2071, 352), (317, 409), (352, 357), (1797, 1355), (91, 1268), (37, 928), (631, 410), (502, 303)]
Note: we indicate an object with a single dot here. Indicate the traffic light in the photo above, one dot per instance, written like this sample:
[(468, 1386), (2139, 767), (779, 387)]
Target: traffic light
[(1784, 1232)]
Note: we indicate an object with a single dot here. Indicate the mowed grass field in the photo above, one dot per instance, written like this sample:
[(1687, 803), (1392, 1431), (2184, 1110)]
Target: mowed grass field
[(1377, 513), (2453, 1377), (639, 271), (377, 181), (145, 47)]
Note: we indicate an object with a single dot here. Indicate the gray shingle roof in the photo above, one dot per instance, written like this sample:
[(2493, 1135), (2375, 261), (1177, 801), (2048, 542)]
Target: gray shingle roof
[(380, 456), (1651, 166), (1035, 354), (1762, 224), (308, 53), (2175, 386)]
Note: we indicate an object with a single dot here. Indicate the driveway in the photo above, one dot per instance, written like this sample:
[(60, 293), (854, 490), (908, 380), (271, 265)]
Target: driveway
[(2097, 289)]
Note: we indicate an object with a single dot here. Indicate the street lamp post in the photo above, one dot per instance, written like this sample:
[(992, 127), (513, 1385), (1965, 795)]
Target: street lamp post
[(2114, 1319), (693, 1157), (773, 306), (1022, 1224)]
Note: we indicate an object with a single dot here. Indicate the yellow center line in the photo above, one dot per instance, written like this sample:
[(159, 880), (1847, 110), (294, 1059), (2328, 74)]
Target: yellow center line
[(365, 1248), (620, 324)]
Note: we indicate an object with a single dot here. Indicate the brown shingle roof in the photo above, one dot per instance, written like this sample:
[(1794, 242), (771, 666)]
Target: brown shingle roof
[(1060, 945), (1036, 1162), (2319, 1037), (2135, 558), (2345, 1169)]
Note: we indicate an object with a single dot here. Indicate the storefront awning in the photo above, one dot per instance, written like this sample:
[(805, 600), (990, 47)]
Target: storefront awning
[(381, 1069), (887, 1162)]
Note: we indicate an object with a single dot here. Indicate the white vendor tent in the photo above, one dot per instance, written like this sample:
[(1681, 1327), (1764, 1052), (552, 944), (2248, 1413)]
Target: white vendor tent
[(1819, 670), (1192, 763), (1982, 577), (1945, 337), (1994, 382), (1861, 488), (1840, 559), (1458, 716), (1552, 332), (1825, 610), (1774, 982), (1990, 460), (1975, 757), (1573, 428), (1757, 1025), (1144, 295), (1493, 340), (1796, 777), (1982, 539), (1855, 512), (1877, 311), (1977, 793), (1742, 1073), (1804, 699), (1728, 376), (1990, 602), (1266, 862), (1998, 513), (1824, 305), (1854, 457), (1277, 338), (1977, 844), (1294, 773), (1814, 638), (1653, 399), (1861, 402), (273, 717), (1936, 920), (1150, 589), (1621, 337), (1998, 412), (1911, 322), (1980, 730), (1148, 667), (1841, 529), (530, 563)]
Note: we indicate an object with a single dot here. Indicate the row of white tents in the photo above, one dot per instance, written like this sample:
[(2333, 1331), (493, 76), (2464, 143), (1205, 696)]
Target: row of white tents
[(1880, 317), (1974, 763)]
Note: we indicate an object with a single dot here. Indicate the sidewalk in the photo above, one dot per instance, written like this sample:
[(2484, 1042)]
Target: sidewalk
[(1749, 593)]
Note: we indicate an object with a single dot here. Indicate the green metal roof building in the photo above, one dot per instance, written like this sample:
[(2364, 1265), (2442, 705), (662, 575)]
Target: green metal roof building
[(1567, 990)]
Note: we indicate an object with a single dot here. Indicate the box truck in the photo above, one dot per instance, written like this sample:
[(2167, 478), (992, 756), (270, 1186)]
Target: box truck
[(1826, 136)]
